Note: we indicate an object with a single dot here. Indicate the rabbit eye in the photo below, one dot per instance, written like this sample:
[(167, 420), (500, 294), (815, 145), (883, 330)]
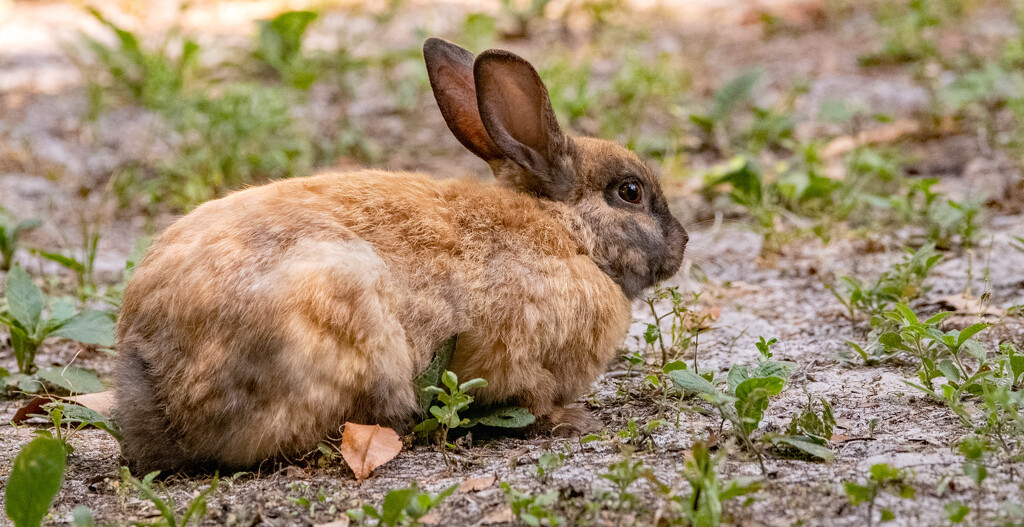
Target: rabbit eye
[(631, 191)]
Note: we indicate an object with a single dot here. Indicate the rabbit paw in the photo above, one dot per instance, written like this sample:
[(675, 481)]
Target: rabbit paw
[(570, 422)]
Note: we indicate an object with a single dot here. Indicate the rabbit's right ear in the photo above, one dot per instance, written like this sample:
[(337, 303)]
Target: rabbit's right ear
[(450, 69)]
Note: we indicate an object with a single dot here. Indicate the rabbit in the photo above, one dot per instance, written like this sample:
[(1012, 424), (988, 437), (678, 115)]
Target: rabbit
[(261, 322)]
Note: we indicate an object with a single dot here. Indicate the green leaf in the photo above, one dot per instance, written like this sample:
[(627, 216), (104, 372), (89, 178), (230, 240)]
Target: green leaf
[(688, 380), (393, 508), (893, 341), (25, 226), (976, 350), (737, 374), (24, 348), (449, 379), (1016, 366), (771, 385), (738, 487), (23, 382), (61, 309), (970, 331), (66, 261), (883, 472), (752, 399), (24, 299), (508, 417), (949, 370), (431, 376), (805, 444), (680, 365), (88, 327), (77, 414), (937, 317), (729, 96), (856, 494), (72, 379), (651, 334), (956, 511), (472, 383), (906, 312), (82, 517), (887, 515), (781, 369), (34, 481)]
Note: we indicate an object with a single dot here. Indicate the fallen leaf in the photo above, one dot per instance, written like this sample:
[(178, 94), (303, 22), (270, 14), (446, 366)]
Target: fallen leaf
[(476, 484), (882, 134), (33, 407), (366, 447), (969, 305), (342, 521), (502, 515), (431, 518), (98, 402)]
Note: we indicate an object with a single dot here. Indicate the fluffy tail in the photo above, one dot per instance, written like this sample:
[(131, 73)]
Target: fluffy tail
[(148, 443)]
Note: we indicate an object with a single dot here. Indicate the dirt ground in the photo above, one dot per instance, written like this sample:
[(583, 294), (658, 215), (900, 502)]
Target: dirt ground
[(50, 155)]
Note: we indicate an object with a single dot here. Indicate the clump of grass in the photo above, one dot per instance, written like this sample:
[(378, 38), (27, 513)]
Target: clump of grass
[(745, 397), (154, 78), (683, 323), (910, 30), (247, 134), (883, 479), (401, 507), (533, 509), (156, 493), (279, 46), (11, 230), (24, 318), (446, 415), (226, 134), (903, 282)]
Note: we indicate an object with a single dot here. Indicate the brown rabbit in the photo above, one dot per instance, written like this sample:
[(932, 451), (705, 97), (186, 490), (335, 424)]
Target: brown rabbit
[(259, 323)]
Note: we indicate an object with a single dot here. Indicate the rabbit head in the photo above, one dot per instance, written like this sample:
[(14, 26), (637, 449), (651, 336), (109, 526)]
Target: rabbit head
[(498, 107)]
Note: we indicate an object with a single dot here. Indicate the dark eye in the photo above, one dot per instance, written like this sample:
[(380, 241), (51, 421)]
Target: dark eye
[(631, 191)]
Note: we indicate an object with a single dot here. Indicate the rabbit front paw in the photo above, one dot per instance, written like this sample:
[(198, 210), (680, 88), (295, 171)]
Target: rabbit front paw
[(564, 421)]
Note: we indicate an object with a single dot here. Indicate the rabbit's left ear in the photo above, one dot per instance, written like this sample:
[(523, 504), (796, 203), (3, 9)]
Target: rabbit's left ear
[(516, 112), (450, 69)]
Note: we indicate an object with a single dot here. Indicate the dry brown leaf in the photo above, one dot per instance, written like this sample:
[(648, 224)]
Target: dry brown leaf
[(476, 484), (969, 305), (431, 518), (366, 447), (882, 134), (97, 402), (33, 407), (342, 521), (502, 515)]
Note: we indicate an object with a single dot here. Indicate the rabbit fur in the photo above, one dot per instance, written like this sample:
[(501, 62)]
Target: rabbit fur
[(259, 323)]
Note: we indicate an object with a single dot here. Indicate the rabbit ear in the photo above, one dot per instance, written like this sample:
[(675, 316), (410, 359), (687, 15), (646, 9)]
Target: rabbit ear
[(450, 69), (516, 111)]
